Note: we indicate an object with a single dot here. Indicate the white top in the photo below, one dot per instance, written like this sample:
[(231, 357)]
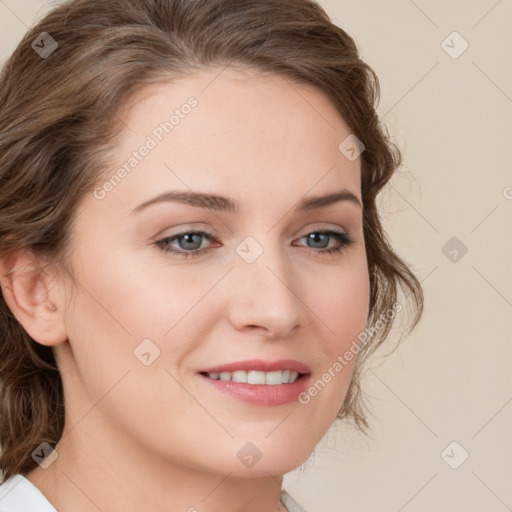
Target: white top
[(18, 494)]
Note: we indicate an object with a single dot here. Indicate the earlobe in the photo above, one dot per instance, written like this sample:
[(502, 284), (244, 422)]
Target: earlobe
[(28, 293)]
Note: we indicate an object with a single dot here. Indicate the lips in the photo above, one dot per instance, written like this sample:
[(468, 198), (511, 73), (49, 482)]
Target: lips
[(259, 382)]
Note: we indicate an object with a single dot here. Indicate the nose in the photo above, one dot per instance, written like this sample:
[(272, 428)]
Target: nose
[(265, 295)]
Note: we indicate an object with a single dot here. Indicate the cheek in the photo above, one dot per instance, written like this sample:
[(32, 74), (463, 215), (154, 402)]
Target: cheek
[(128, 298), (351, 316), (343, 306), (129, 316), (342, 314), (108, 380)]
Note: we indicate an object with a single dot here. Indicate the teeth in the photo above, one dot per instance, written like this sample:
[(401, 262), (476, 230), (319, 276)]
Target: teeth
[(256, 377), (239, 376)]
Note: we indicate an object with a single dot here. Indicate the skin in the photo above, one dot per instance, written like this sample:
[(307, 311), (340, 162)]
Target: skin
[(158, 437)]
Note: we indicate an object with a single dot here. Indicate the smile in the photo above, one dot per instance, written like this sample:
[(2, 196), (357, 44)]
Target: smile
[(257, 377), (259, 382)]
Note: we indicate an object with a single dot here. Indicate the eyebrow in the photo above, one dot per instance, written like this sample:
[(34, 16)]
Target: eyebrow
[(223, 203)]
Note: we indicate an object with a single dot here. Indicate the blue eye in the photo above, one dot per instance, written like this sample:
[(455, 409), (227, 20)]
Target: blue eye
[(190, 242), (189, 238), (343, 240)]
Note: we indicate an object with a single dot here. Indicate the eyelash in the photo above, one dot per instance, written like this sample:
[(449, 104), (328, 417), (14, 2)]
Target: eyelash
[(343, 238)]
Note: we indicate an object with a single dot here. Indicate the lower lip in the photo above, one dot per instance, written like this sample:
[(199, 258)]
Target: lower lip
[(261, 394)]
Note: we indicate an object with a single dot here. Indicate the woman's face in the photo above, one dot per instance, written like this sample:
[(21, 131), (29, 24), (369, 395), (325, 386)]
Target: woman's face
[(243, 291)]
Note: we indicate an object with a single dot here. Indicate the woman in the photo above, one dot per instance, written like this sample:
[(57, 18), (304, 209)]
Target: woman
[(193, 265)]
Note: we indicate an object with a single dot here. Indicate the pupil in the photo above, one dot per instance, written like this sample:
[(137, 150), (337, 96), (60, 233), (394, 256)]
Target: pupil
[(189, 239), (314, 236)]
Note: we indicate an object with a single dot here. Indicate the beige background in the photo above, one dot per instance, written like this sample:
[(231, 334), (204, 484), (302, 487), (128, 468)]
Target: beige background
[(450, 380)]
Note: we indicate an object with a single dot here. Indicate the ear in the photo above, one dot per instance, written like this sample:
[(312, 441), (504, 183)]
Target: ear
[(35, 298)]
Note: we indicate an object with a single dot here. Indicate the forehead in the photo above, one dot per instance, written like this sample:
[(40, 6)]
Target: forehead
[(246, 134)]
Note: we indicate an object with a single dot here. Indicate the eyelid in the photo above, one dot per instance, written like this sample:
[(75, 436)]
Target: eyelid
[(182, 228)]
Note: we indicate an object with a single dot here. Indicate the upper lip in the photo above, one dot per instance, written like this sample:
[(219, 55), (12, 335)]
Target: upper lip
[(260, 365)]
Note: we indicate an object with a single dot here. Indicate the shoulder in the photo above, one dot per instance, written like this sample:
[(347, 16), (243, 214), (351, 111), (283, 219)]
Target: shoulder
[(18, 494), (290, 504)]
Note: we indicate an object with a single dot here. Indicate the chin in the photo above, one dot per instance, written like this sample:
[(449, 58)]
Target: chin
[(274, 466), (267, 456)]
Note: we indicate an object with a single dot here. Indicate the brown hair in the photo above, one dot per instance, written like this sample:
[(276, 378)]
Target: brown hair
[(58, 122)]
